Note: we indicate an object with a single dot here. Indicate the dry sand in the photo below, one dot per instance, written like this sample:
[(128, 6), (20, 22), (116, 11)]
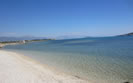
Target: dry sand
[(16, 68)]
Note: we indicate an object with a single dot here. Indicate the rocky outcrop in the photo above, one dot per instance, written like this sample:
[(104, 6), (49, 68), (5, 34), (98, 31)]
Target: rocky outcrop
[(128, 34)]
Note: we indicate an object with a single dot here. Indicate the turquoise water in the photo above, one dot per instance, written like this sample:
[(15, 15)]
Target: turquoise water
[(100, 60)]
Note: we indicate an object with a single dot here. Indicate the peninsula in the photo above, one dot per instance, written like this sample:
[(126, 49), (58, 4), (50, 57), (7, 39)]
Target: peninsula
[(128, 34), (4, 43)]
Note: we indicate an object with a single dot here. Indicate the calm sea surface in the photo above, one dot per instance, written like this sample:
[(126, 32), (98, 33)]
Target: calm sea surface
[(100, 60)]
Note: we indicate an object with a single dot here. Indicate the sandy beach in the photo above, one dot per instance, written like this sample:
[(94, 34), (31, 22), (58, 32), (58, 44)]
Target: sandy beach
[(16, 68)]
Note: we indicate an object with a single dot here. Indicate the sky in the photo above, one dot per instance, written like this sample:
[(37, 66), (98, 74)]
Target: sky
[(55, 18)]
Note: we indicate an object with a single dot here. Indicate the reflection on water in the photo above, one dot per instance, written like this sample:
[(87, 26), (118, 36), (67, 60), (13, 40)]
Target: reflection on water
[(101, 60)]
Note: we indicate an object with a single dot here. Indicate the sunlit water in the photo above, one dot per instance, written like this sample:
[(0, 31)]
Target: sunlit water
[(100, 60)]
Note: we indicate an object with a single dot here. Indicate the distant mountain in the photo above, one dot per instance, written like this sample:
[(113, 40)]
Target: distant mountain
[(70, 37), (20, 38), (128, 34)]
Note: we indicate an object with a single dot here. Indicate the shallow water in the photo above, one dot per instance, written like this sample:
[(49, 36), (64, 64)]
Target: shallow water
[(100, 60)]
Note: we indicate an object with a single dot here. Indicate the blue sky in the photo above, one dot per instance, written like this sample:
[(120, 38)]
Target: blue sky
[(52, 18)]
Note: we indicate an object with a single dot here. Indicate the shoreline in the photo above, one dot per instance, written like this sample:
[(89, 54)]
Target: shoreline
[(5, 44), (17, 68)]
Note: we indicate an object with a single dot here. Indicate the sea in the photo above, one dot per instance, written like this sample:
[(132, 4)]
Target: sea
[(97, 59)]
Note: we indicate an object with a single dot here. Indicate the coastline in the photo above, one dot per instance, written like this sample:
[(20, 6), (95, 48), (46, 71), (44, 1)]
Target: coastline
[(17, 68), (3, 45), (9, 43)]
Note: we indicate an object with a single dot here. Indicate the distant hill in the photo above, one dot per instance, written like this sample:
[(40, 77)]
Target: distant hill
[(19, 38), (70, 36), (128, 34)]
